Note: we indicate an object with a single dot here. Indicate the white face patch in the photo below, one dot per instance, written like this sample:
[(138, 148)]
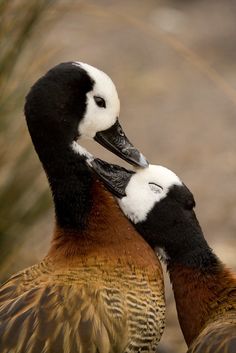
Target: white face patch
[(98, 118), (82, 151), (145, 188)]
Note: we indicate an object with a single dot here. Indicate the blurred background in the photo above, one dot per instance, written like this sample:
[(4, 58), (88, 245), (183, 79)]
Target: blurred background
[(174, 65)]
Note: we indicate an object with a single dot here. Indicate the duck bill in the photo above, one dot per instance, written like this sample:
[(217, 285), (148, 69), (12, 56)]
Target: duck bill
[(114, 177), (114, 140)]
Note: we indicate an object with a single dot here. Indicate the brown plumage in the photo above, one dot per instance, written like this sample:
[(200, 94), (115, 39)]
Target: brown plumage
[(100, 287), (204, 289), (206, 306), (96, 291)]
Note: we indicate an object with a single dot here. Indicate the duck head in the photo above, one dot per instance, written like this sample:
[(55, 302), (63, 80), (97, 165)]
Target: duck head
[(76, 100), (159, 205)]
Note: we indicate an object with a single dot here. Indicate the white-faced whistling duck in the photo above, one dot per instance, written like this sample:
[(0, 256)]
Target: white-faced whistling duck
[(161, 207), (100, 287)]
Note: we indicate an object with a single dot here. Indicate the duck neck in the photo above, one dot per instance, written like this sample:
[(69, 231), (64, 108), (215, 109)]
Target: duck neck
[(109, 239), (54, 108), (202, 286), (70, 181)]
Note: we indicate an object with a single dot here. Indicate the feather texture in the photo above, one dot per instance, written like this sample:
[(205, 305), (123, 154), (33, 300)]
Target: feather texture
[(218, 336), (47, 310)]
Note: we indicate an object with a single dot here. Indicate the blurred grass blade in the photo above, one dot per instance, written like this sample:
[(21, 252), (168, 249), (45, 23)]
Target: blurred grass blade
[(24, 196)]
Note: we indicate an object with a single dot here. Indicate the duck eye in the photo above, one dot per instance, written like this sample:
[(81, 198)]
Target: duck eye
[(100, 102), (157, 189)]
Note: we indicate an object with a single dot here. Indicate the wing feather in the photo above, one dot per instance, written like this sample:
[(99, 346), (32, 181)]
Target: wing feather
[(54, 318), (52, 310), (216, 339)]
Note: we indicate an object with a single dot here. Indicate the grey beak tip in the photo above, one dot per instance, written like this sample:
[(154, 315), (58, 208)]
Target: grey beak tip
[(142, 161)]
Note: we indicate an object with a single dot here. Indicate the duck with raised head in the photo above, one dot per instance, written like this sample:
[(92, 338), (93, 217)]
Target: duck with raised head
[(161, 208), (100, 287)]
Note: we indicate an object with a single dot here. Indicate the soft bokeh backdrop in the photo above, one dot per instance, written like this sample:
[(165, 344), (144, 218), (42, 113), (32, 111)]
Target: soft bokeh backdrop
[(174, 64)]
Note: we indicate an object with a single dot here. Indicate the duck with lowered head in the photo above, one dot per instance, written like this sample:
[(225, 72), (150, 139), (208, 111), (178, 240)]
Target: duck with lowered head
[(161, 208)]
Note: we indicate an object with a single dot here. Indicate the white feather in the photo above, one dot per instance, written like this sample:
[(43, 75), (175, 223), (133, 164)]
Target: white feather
[(96, 118), (141, 196), (78, 149)]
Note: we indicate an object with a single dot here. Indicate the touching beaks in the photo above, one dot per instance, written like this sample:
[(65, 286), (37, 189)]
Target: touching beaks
[(114, 177), (114, 140)]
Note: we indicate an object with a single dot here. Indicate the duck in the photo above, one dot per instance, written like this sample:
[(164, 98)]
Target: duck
[(161, 208), (99, 288)]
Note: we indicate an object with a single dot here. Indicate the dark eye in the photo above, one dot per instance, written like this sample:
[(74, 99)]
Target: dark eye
[(100, 102), (157, 189)]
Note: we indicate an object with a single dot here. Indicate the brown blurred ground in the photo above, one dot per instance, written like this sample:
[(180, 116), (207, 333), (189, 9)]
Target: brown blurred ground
[(174, 64)]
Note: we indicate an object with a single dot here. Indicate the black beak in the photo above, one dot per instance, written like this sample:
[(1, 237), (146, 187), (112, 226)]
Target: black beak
[(114, 140), (114, 177)]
